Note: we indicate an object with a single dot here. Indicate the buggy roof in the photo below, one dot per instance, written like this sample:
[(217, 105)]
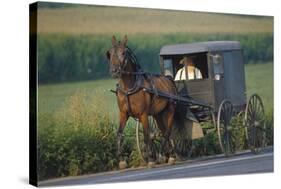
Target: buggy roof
[(189, 48)]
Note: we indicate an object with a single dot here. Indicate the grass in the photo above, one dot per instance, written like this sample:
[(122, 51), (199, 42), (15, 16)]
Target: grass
[(259, 79), (54, 96), (110, 20)]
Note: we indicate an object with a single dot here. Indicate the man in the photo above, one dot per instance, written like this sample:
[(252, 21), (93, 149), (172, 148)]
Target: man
[(193, 72)]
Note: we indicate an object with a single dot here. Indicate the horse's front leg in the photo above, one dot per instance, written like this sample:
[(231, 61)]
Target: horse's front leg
[(122, 122), (147, 140)]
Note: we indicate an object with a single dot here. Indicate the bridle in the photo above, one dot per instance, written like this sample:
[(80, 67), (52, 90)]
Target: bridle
[(129, 56)]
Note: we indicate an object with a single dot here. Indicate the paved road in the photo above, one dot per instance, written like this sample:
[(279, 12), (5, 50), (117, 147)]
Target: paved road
[(242, 163)]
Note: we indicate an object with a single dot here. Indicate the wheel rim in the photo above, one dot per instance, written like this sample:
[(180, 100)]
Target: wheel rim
[(224, 128), (139, 138), (254, 123)]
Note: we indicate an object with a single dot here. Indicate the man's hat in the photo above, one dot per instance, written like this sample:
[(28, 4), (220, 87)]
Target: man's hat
[(186, 60)]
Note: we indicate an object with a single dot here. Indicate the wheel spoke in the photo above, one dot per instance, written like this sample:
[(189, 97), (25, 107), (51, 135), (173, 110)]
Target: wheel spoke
[(225, 114), (255, 123), (153, 130)]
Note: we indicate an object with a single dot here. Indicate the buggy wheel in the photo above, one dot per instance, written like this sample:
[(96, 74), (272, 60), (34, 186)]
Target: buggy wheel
[(224, 128), (254, 123), (154, 136), (213, 118)]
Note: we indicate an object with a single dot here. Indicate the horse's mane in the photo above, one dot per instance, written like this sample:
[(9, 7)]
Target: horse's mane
[(133, 59)]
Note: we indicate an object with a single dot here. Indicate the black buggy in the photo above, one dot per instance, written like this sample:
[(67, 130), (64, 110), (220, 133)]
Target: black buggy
[(210, 81)]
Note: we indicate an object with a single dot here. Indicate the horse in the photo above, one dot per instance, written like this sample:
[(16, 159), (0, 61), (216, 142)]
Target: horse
[(134, 102)]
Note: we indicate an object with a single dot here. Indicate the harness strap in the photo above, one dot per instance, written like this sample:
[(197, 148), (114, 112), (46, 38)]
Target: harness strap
[(152, 85), (129, 105), (136, 88), (126, 97), (140, 76)]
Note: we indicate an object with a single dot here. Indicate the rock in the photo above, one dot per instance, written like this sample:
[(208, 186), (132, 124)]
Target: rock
[(171, 161), (122, 164), (151, 164)]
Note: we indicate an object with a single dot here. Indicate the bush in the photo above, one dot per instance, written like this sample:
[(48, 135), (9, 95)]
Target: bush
[(76, 141)]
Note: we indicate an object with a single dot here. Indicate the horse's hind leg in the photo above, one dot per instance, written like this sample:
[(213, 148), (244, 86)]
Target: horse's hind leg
[(162, 126), (160, 122), (169, 120), (122, 122)]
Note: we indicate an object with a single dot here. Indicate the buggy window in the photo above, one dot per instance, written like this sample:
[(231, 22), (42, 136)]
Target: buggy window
[(191, 67), (217, 62), (168, 67)]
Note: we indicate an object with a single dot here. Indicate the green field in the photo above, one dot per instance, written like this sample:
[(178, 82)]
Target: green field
[(259, 79), (54, 96)]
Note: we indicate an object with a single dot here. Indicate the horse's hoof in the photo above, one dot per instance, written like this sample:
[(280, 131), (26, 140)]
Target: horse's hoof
[(171, 161), (122, 164), (151, 164)]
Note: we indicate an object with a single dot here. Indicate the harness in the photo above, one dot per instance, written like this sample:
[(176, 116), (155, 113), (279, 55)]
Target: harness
[(139, 80), (138, 85)]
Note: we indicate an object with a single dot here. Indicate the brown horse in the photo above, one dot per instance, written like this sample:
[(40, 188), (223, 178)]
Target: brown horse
[(134, 101)]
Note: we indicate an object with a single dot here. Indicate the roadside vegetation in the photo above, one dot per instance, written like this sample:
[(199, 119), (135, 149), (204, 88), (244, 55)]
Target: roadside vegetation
[(78, 123)]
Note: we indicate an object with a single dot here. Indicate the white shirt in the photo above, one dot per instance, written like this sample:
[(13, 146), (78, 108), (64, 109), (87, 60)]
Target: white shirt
[(193, 73)]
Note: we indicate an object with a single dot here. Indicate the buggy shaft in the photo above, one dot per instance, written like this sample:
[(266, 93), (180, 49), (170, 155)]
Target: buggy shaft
[(177, 98)]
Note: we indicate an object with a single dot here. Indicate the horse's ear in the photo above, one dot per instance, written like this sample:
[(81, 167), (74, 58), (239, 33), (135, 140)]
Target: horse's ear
[(113, 40), (125, 40), (107, 55)]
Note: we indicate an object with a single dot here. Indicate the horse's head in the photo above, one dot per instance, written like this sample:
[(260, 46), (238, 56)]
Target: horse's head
[(117, 57)]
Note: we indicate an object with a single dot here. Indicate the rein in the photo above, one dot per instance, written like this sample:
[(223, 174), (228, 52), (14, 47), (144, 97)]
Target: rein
[(133, 73)]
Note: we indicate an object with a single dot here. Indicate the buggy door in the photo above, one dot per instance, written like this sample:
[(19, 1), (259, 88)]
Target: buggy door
[(200, 88)]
